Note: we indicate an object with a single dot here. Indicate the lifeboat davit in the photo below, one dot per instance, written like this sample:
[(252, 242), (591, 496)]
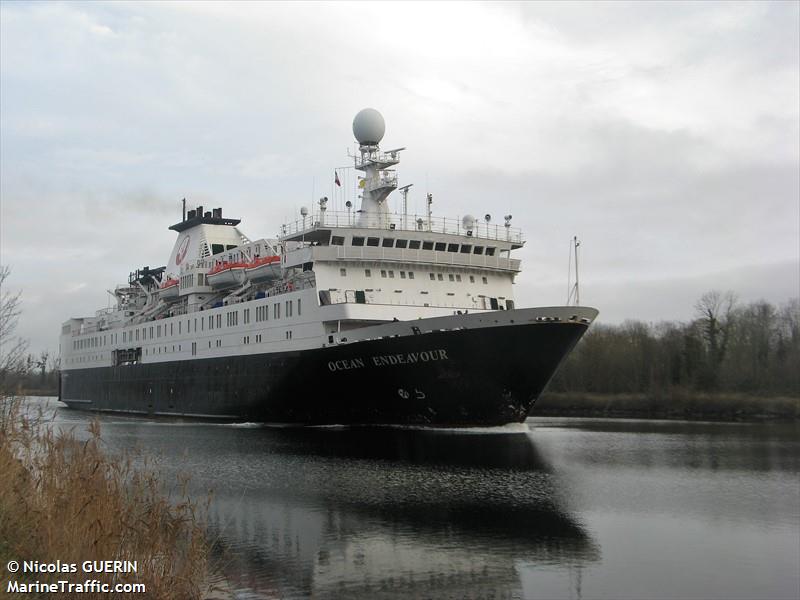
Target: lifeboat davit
[(263, 269), (169, 289), (226, 274)]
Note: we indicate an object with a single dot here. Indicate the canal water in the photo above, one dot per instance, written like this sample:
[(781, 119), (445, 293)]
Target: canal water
[(553, 508)]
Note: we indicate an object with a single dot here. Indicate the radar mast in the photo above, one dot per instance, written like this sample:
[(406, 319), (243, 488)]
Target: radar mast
[(379, 180)]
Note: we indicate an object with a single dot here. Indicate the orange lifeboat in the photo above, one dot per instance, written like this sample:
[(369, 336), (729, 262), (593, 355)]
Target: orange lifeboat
[(169, 289), (264, 269), (225, 274)]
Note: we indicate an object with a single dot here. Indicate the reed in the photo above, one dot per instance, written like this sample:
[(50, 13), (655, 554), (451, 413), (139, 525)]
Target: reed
[(71, 500)]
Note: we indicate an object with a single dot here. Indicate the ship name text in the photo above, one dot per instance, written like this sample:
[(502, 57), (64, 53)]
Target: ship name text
[(384, 360)]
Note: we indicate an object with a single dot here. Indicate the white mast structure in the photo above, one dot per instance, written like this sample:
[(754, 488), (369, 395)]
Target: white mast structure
[(379, 180), (573, 291)]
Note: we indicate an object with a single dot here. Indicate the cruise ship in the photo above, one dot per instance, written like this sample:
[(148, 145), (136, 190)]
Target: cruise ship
[(352, 317)]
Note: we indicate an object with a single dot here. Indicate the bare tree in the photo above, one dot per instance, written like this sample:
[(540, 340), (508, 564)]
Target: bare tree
[(715, 315), (41, 364), (12, 348)]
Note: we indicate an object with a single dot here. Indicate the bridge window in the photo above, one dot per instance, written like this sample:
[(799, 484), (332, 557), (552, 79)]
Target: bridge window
[(458, 277), (383, 273), (401, 244), (343, 272), (367, 273), (451, 277), (472, 278), (490, 251), (388, 243), (402, 274), (217, 248), (371, 241), (413, 245), (466, 248), (440, 277), (440, 247), (411, 274), (391, 274), (452, 247), (433, 276), (478, 250), (427, 245), (337, 240), (358, 241)]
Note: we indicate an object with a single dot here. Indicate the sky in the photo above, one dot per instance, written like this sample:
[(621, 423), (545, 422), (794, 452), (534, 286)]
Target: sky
[(666, 136)]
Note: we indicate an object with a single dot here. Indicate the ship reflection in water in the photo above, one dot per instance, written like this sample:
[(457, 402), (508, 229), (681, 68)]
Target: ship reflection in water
[(370, 512), (361, 513)]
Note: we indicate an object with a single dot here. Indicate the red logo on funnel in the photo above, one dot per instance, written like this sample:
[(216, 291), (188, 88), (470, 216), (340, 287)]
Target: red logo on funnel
[(182, 251)]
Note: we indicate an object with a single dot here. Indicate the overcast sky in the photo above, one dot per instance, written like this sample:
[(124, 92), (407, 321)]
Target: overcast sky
[(666, 136)]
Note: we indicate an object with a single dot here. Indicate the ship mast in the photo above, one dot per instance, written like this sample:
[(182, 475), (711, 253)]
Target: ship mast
[(379, 179)]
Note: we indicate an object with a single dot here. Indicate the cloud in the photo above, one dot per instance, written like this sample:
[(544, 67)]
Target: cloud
[(667, 136)]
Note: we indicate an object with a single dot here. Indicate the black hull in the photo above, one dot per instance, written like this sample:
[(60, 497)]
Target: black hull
[(485, 376)]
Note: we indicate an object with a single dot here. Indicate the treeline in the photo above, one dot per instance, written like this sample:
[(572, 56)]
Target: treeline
[(34, 375), (728, 347), (21, 372)]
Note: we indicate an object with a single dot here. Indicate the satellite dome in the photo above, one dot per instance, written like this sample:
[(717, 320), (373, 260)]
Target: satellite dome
[(468, 222), (369, 127)]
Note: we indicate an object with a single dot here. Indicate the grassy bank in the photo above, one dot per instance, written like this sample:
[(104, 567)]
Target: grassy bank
[(71, 501), (677, 404)]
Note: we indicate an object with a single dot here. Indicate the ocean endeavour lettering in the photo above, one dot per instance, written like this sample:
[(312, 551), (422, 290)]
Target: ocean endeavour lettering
[(384, 360)]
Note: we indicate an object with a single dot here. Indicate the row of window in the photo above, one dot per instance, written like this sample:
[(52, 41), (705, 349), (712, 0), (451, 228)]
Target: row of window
[(455, 277), (415, 245), (165, 349), (213, 322), (262, 312), (187, 281)]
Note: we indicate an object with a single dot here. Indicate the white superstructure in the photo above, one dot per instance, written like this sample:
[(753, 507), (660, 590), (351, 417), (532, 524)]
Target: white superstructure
[(327, 274)]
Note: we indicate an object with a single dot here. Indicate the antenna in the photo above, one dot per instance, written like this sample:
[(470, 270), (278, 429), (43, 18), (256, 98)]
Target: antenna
[(404, 192), (183, 202), (430, 201), (573, 291)]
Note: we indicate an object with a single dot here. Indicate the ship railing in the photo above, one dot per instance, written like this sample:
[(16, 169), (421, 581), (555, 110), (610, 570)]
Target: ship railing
[(298, 282), (376, 158), (400, 222), (415, 256)]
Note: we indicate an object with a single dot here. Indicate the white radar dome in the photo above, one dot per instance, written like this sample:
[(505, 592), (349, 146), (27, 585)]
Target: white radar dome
[(468, 221), (369, 127)]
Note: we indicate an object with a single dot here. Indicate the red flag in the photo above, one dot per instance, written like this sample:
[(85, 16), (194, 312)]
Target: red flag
[(336, 179)]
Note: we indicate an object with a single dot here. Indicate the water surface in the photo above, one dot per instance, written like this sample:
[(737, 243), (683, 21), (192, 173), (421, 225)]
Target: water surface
[(555, 508)]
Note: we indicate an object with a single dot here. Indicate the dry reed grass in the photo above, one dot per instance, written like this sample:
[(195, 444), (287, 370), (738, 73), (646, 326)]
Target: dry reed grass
[(69, 500)]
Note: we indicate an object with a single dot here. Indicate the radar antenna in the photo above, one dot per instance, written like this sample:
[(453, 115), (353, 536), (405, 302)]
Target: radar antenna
[(379, 179)]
